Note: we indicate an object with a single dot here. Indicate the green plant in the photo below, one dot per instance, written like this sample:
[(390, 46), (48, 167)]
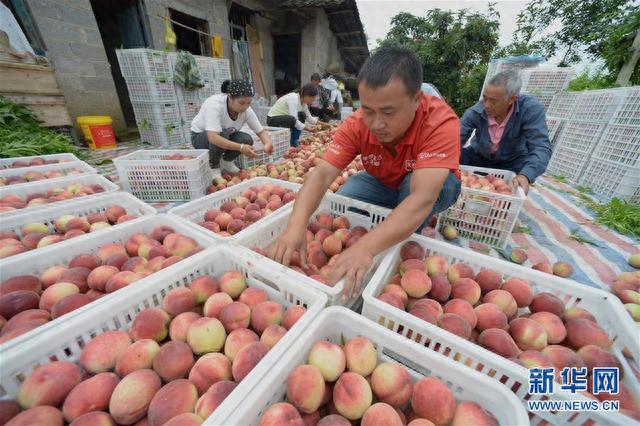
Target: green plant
[(617, 214), (591, 81), (13, 115)]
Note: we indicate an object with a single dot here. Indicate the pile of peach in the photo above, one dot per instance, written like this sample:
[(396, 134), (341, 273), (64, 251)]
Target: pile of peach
[(59, 193), (28, 301), (250, 206), (489, 183), (504, 316), (174, 366), (34, 176), (344, 384), (627, 289), (327, 237), (178, 156), (38, 161), (38, 234)]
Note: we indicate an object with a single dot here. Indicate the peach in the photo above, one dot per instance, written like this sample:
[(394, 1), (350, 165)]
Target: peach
[(235, 226), (520, 291), (154, 265), (55, 293), (32, 240), (562, 357), (238, 339), (340, 222), (381, 414), (132, 396), (211, 226), (459, 270), (272, 335), (185, 419), (292, 315), (99, 277), (411, 264), (214, 304), (325, 221), (595, 356), (490, 316), (15, 302), (582, 332), (213, 397), (562, 269), (135, 264), (180, 324), (432, 400), (77, 276), (247, 358), (436, 265), (173, 361), (42, 415), (78, 223), (26, 317), (179, 245), (49, 384), (440, 288), (455, 324), (209, 369), (138, 356), (392, 384), (233, 283), (397, 291), (519, 256), (305, 388), (210, 215), (552, 324), (69, 304), (332, 245), (117, 260), (352, 395), (203, 287), (528, 334), (281, 413), (343, 234), (470, 413), (576, 312), (206, 335), (333, 420), (361, 356), (498, 341), (150, 323), (149, 249), (13, 248), (504, 300), (329, 358), (317, 258), (179, 300), (534, 359), (35, 227), (424, 314), (467, 289), (92, 394), (392, 299), (321, 235), (628, 296), (103, 351), (108, 250), (8, 409), (488, 280), (121, 280), (235, 315), (114, 212), (547, 302), (463, 309), (50, 276), (175, 398), (94, 418), (265, 314), (420, 422), (412, 250), (543, 267), (223, 220), (415, 283)]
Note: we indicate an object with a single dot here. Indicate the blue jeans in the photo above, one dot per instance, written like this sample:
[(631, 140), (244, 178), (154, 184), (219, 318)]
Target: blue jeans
[(469, 157), (364, 187)]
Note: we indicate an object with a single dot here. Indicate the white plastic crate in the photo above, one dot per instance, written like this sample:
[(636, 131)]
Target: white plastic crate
[(280, 138), (32, 263), (151, 89), (66, 340), (628, 113), (544, 98), (79, 167), (80, 207), (562, 105), (554, 125), (485, 216), (41, 187), (156, 114), (580, 136), (611, 178), (144, 63), (597, 106), (337, 323), (210, 89), (261, 113), (194, 210), (165, 136), (546, 79), (567, 162), (148, 176), (336, 205), (620, 144), (607, 309), (5, 163)]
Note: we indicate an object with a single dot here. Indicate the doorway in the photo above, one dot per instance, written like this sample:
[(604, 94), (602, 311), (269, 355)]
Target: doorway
[(286, 49), (122, 24), (195, 42)]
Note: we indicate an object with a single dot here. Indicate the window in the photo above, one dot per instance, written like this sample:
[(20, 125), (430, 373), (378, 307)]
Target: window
[(239, 17)]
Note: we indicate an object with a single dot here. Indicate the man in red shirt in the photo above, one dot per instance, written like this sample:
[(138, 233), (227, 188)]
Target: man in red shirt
[(410, 147)]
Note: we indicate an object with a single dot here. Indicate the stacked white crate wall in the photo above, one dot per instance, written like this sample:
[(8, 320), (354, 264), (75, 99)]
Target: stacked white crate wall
[(545, 82)]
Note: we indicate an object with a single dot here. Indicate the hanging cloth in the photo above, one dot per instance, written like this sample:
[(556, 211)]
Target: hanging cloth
[(186, 72), (169, 35), (217, 47)]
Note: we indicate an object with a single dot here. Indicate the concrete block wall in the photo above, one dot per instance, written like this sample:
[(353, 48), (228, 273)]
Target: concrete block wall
[(319, 46), (75, 48)]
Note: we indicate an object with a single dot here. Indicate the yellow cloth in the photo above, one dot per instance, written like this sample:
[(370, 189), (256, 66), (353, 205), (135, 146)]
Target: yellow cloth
[(169, 35), (217, 46)]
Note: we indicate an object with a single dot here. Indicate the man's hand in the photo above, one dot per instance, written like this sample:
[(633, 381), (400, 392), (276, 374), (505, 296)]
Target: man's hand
[(248, 151), (352, 265), (331, 107), (282, 250), (311, 129), (268, 148), (522, 181)]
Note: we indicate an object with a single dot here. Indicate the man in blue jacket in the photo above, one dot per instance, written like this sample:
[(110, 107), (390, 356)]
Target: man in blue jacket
[(510, 131)]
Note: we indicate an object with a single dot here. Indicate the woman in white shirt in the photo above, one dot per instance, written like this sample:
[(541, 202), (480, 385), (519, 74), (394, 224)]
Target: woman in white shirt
[(217, 127), (292, 109)]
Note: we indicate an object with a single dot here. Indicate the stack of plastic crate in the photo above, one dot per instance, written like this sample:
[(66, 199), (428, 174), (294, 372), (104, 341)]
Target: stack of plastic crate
[(149, 77), (558, 112), (613, 169), (581, 133), (509, 63), (545, 82)]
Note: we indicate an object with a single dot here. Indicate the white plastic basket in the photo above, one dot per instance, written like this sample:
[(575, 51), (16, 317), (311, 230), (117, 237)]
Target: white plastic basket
[(280, 138), (41, 187), (628, 113), (546, 79), (554, 125), (485, 216), (611, 179), (604, 306), (164, 136), (597, 106), (273, 226), (64, 168), (80, 207), (562, 105), (144, 62), (567, 162), (151, 89), (620, 144), (337, 323), (32, 263), (156, 113), (579, 136), (5, 163), (67, 339), (149, 177), (194, 210)]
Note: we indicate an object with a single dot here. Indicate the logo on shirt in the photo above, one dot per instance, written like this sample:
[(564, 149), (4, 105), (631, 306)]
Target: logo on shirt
[(409, 164), (427, 155), (230, 130), (372, 160)]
